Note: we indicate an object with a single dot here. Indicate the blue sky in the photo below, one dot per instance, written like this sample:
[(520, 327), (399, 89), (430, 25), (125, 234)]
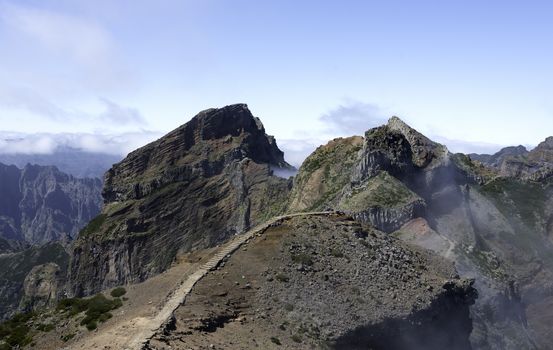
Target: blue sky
[(479, 72)]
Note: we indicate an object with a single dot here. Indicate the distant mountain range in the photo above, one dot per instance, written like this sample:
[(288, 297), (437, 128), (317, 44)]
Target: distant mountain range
[(71, 161)]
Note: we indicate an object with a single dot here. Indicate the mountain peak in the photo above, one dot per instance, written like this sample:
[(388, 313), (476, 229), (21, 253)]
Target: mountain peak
[(204, 146), (397, 122), (424, 150)]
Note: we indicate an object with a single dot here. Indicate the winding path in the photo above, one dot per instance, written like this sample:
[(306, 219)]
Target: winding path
[(140, 330)]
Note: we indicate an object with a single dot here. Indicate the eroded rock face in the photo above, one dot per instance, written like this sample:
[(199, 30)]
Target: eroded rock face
[(197, 186), (41, 204), (325, 281), (41, 287), (370, 178)]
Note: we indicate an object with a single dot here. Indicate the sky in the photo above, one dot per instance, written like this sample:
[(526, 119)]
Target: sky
[(110, 75)]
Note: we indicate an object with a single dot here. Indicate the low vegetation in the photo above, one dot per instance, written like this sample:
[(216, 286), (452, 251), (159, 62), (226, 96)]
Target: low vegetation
[(15, 333), (97, 309), (118, 292)]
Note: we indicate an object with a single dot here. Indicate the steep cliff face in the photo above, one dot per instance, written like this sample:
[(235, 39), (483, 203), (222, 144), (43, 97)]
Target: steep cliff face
[(41, 204), (325, 282), (195, 187)]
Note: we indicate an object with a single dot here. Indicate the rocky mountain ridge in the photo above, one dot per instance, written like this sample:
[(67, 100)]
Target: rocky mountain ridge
[(495, 226), (197, 186)]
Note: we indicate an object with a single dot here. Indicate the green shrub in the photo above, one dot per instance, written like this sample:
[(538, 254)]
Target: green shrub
[(92, 325), (73, 305), (97, 309), (19, 336), (104, 317), (276, 341), (118, 292), (15, 331), (289, 307), (296, 338)]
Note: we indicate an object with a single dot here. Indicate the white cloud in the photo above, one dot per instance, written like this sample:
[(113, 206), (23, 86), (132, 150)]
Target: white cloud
[(115, 113), (31, 101), (82, 39), (115, 144), (353, 118)]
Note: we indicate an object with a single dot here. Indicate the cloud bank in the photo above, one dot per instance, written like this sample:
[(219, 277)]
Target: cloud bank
[(114, 144)]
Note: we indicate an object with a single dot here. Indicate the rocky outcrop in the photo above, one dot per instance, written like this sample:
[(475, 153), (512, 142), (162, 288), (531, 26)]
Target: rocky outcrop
[(424, 151), (197, 186), (362, 176), (42, 287), (41, 204), (325, 281), (33, 272)]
